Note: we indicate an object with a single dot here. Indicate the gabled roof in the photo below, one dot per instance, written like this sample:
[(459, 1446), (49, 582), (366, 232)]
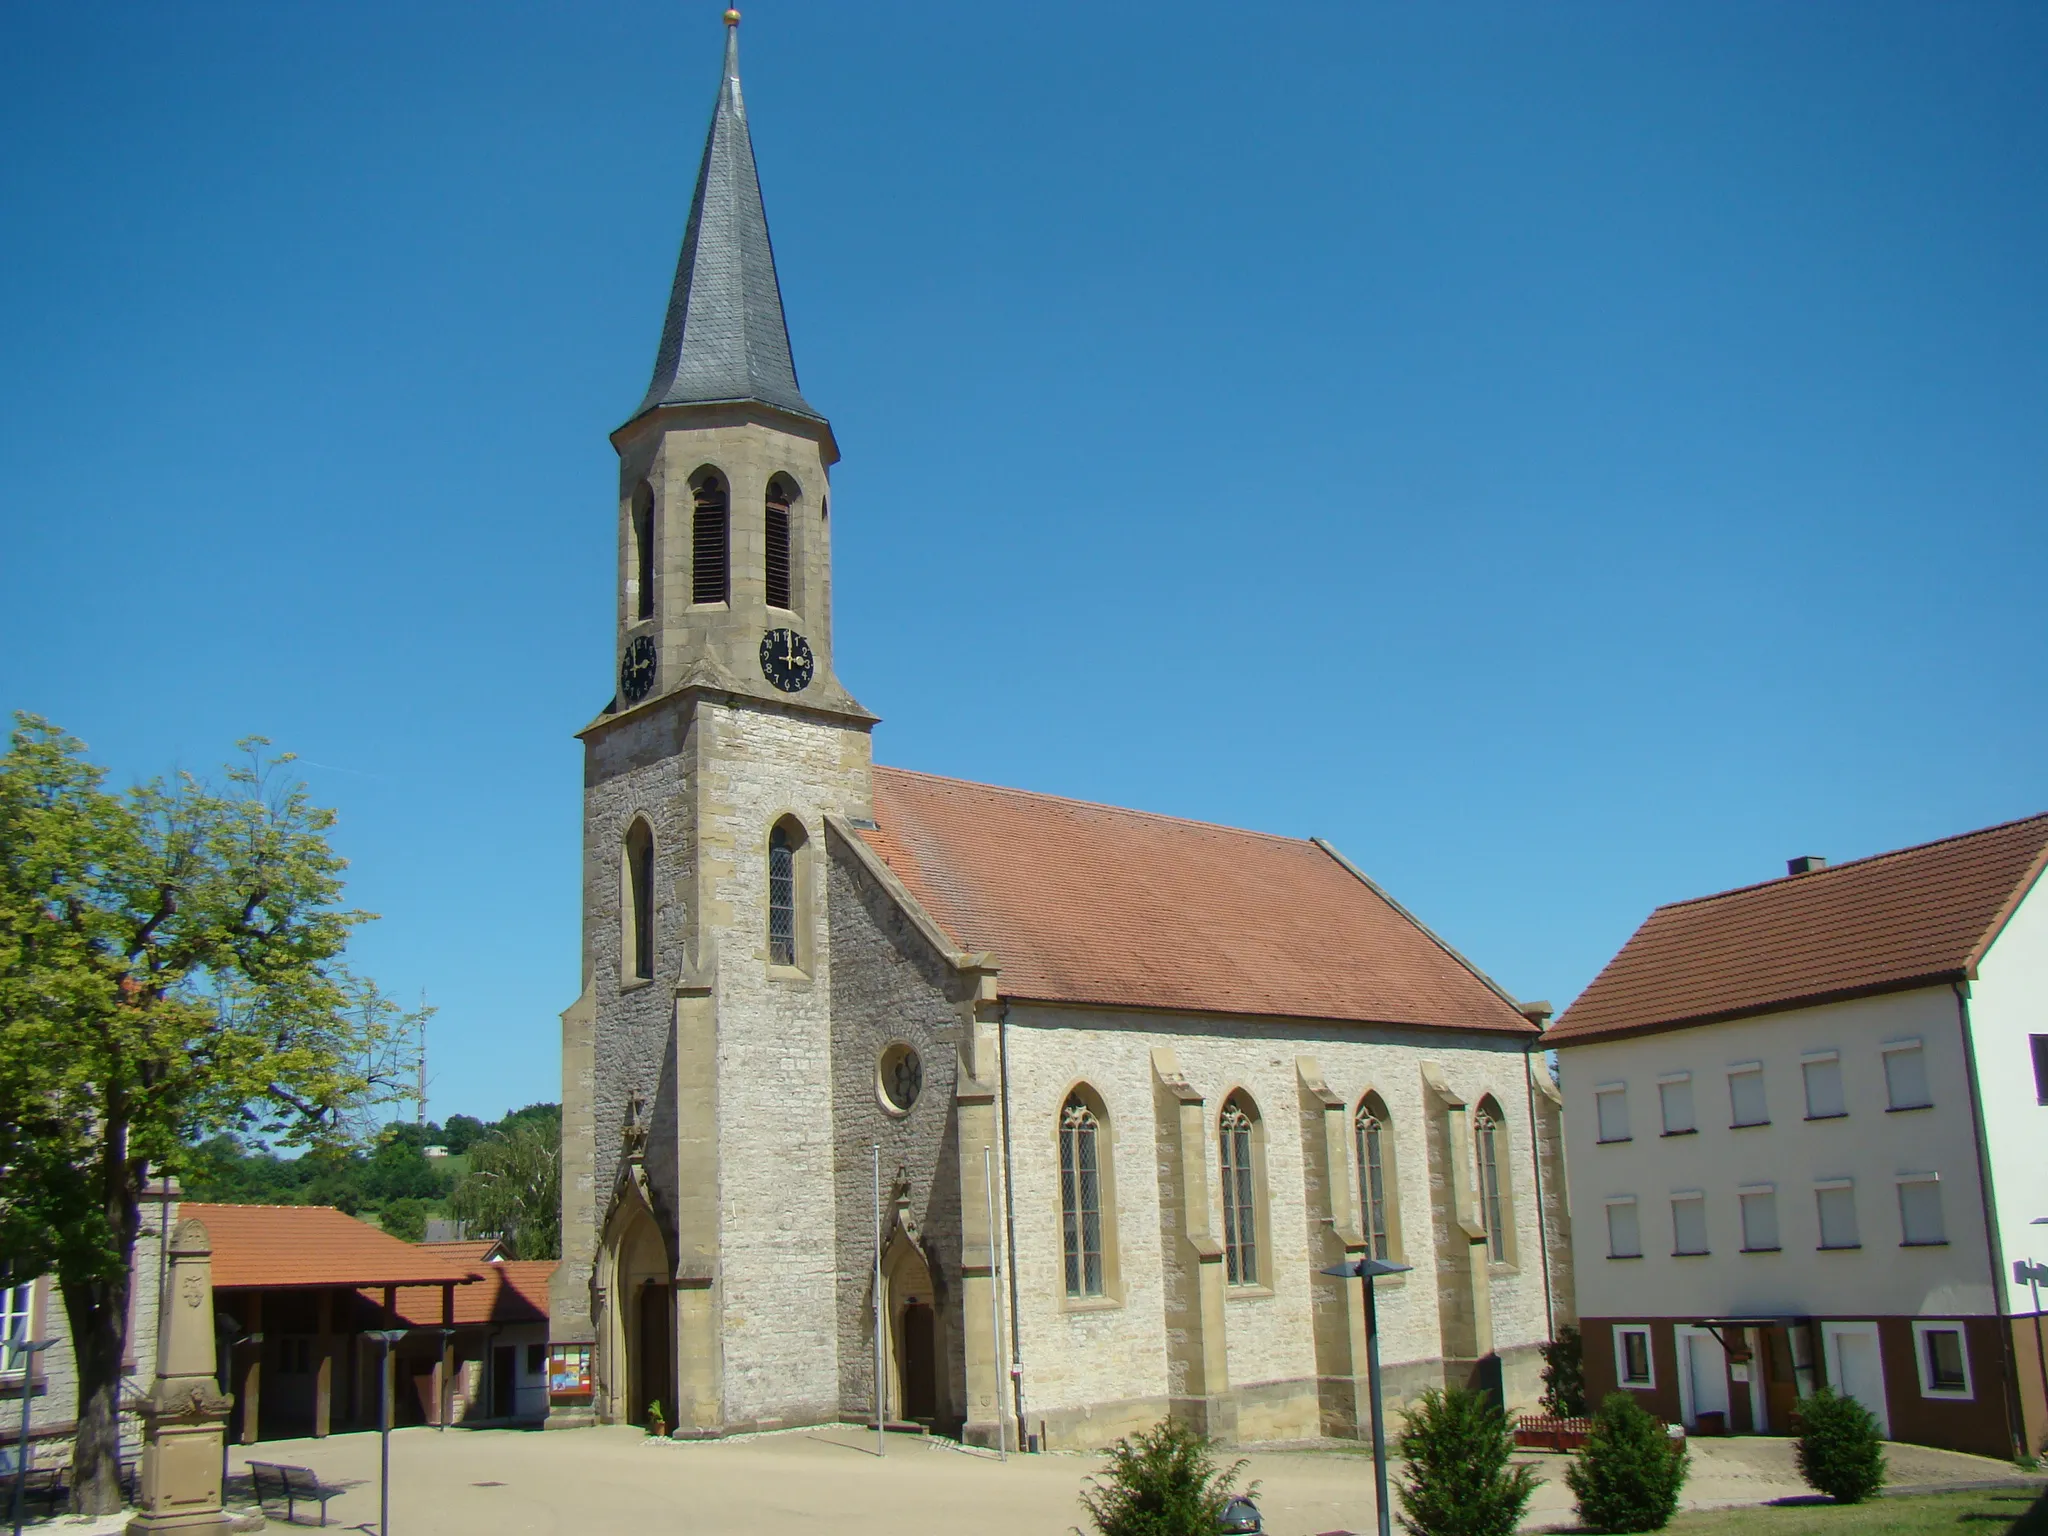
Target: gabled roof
[(1919, 916), (508, 1291), (468, 1250), (724, 338), (1086, 903), (280, 1246)]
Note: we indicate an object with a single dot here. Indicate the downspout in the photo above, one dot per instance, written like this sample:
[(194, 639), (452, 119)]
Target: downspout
[(1536, 1163), (1010, 1225), (2014, 1413)]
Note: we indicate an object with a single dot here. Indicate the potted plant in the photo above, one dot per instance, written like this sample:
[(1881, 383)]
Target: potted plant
[(657, 1425)]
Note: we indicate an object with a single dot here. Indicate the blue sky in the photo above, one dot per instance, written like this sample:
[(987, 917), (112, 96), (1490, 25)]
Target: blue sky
[(1572, 457)]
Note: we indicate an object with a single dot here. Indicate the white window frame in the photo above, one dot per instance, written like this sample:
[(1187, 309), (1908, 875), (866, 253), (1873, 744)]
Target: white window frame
[(1608, 1206), (1742, 1225), (1676, 1080), (1699, 1198), (1958, 1328), (1835, 1187), (1821, 1059), (1747, 1069), (1621, 1379), (1893, 1048), (11, 1365), (1899, 1185), (1602, 1091)]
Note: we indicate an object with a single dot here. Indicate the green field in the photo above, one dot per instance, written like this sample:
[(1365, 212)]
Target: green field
[(1992, 1512)]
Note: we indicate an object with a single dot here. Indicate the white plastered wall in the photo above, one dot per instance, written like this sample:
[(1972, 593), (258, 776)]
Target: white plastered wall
[(2009, 1003)]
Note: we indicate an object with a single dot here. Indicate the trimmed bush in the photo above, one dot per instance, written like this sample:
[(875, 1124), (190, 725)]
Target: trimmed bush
[(1458, 1481), (1628, 1476), (1162, 1481), (1564, 1374), (1839, 1452)]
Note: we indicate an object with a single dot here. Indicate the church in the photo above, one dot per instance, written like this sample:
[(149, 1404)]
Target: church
[(1042, 1116)]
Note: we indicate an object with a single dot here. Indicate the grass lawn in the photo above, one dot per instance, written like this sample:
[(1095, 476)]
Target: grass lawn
[(1990, 1513)]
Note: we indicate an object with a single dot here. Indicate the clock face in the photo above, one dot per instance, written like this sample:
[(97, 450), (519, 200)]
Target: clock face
[(786, 660), (636, 669)]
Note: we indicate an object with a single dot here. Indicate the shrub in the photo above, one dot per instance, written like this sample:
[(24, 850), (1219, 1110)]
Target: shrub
[(1564, 1374), (655, 1416), (1838, 1449), (1628, 1476), (1162, 1481), (1458, 1481)]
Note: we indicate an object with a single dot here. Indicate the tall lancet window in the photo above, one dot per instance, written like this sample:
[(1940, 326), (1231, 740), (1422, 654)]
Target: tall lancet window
[(643, 552), (1487, 1135), (1081, 1197), (710, 530), (1238, 1129), (783, 842), (636, 951), (781, 499), (1375, 1183)]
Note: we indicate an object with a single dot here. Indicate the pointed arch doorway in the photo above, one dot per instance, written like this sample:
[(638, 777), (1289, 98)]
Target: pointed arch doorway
[(641, 1327), (911, 1306)]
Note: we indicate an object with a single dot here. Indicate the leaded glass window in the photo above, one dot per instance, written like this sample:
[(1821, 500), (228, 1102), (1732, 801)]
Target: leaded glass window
[(1240, 1208), (1081, 1197), (1372, 1179), (781, 896), (1485, 1138)]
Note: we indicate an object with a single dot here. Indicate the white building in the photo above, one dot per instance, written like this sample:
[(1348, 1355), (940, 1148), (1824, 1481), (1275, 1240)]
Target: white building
[(1807, 1139)]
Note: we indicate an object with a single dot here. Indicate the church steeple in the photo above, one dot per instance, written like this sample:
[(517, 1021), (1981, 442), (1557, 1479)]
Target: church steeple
[(725, 338)]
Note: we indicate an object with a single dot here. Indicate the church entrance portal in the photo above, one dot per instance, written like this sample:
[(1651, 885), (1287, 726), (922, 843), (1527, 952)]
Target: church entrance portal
[(920, 1362), (651, 1357), (913, 1342)]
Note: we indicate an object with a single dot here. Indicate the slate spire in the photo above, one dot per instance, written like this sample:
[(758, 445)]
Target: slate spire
[(725, 337)]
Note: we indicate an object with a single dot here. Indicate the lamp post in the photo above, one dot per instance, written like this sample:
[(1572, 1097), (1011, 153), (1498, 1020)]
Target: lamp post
[(23, 1350), (385, 1337), (1369, 1270)]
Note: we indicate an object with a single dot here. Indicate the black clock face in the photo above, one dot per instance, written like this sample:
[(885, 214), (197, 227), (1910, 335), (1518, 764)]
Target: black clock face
[(636, 670), (786, 660)]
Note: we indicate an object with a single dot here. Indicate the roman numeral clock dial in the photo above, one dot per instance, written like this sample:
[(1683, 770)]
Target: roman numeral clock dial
[(786, 660)]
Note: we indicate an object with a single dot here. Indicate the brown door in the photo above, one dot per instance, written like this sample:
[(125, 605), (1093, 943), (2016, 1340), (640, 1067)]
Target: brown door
[(1781, 1389), (920, 1363), (650, 1379)]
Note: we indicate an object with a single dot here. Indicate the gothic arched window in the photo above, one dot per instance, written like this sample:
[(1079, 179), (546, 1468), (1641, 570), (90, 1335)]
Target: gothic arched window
[(710, 529), (776, 567), (1489, 1137), (1238, 1131), (636, 946), (1081, 1197), (785, 839), (643, 552), (1375, 1136)]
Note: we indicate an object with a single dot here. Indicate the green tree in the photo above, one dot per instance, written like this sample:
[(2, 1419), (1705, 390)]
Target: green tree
[(1458, 1481), (1838, 1450), (170, 969), (1564, 1374), (1628, 1476), (1162, 1481), (513, 1188)]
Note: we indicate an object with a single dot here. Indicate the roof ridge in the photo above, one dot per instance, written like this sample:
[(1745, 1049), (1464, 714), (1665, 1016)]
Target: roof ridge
[(1101, 805), (1814, 875)]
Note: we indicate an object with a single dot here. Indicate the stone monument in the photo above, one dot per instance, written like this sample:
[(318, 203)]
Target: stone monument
[(185, 1416)]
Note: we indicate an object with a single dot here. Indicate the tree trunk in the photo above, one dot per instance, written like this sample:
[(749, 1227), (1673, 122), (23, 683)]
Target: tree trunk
[(98, 1313)]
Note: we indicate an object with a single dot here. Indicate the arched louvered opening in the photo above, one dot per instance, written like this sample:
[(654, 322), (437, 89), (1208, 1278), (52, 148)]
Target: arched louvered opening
[(636, 910), (778, 561), (643, 552), (1238, 1131), (710, 538)]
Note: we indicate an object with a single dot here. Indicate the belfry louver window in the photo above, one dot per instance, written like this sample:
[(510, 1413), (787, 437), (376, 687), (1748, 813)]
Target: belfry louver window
[(643, 553), (781, 897), (709, 541), (776, 565)]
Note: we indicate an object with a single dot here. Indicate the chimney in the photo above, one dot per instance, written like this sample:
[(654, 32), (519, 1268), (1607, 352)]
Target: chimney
[(1805, 864)]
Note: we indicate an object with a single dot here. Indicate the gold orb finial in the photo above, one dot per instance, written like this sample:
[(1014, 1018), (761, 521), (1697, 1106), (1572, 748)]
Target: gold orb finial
[(732, 18)]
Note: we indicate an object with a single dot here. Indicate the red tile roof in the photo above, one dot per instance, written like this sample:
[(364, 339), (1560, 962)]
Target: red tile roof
[(1915, 917), (279, 1246), (1085, 903), (469, 1250), (509, 1291)]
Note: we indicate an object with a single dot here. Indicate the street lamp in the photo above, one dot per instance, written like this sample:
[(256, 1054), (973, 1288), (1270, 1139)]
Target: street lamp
[(24, 1351), (386, 1337), (1369, 1270)]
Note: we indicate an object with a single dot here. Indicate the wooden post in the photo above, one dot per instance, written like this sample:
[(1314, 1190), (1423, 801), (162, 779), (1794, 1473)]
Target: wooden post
[(252, 1373), (323, 1373)]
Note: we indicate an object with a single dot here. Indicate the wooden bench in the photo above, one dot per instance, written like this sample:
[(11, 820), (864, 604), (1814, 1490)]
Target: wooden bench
[(275, 1480)]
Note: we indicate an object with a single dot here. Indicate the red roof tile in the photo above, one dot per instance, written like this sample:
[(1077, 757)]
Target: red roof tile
[(278, 1246), (1085, 903), (509, 1291), (1914, 917)]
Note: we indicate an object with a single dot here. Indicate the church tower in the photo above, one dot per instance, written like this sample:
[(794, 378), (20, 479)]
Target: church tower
[(697, 1106)]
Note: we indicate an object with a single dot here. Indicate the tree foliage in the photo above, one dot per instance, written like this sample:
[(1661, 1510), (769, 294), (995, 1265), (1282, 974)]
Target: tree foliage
[(1629, 1475), (1564, 1374), (513, 1188), (1458, 1480), (1838, 1449), (170, 969), (1162, 1481)]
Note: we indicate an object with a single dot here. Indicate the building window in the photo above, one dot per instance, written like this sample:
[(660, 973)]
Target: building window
[(2040, 1045), (1674, 1100), (1081, 1197), (899, 1078), (1374, 1134), (1746, 1104), (776, 568), (1836, 1201), (1823, 1074), (1759, 1219), (1942, 1351), (1624, 1229), (15, 1322), (643, 552), (637, 942), (1611, 1100), (1632, 1364), (1689, 1223), (536, 1359), (1488, 1132), (1240, 1199), (784, 841), (1905, 1076), (710, 538), (1920, 1223)]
